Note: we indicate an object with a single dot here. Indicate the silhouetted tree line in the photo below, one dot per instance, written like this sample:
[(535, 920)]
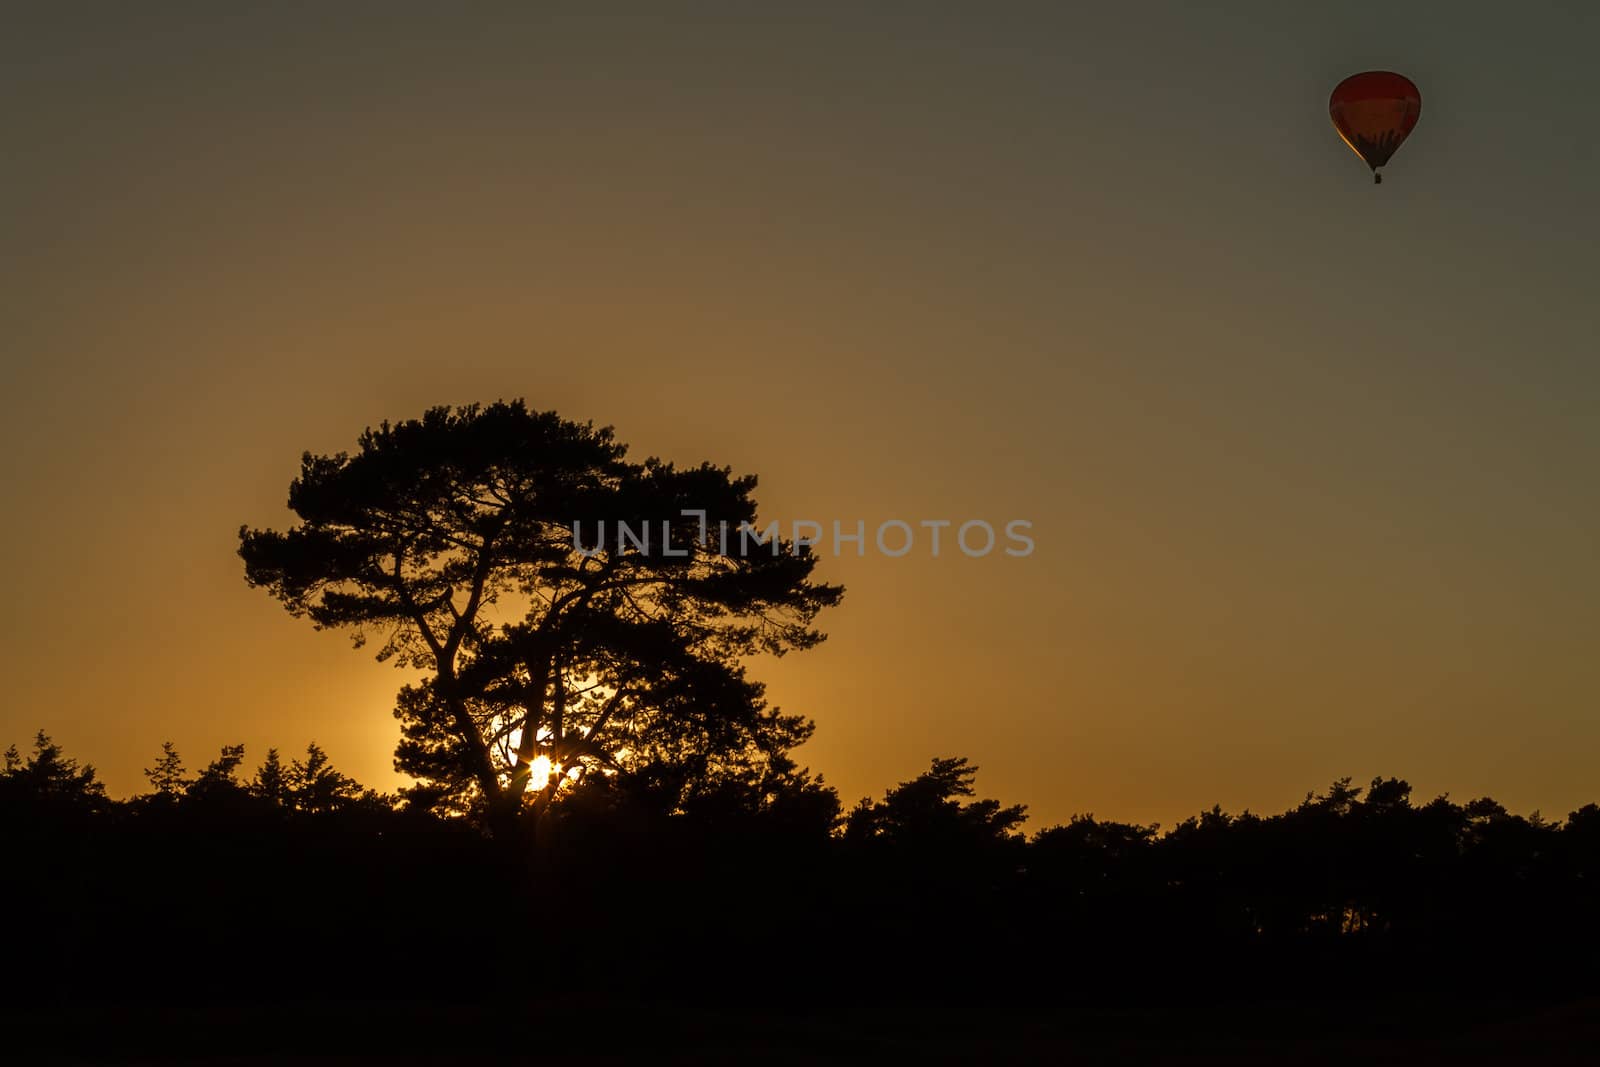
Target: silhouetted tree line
[(602, 800), (297, 881)]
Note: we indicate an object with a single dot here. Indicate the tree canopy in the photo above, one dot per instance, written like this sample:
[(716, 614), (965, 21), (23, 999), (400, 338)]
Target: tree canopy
[(570, 612)]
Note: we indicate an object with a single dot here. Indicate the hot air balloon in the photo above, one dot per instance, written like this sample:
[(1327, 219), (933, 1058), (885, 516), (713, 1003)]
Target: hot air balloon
[(1374, 112)]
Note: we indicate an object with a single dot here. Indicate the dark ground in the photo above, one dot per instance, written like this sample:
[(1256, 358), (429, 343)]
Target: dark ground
[(850, 1030)]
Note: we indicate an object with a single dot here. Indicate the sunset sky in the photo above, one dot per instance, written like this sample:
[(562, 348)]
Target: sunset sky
[(1310, 463)]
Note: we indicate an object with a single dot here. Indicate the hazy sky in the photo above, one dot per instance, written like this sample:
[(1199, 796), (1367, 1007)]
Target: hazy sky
[(1310, 463)]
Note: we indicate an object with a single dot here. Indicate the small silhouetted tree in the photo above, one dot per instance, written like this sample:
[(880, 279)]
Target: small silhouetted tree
[(49, 782), (271, 781), (219, 782), (314, 787), (225, 768), (927, 812), (168, 778)]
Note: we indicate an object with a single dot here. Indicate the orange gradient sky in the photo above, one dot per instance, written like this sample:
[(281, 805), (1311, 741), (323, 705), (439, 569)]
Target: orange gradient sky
[(1310, 463)]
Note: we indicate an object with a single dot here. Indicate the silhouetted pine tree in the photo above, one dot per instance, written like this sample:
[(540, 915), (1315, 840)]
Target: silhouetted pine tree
[(271, 782), (167, 777)]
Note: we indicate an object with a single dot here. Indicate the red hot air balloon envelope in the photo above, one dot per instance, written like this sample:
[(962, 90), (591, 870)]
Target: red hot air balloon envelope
[(1374, 112)]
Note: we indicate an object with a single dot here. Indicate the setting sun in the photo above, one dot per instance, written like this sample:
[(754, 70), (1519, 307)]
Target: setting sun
[(539, 772)]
